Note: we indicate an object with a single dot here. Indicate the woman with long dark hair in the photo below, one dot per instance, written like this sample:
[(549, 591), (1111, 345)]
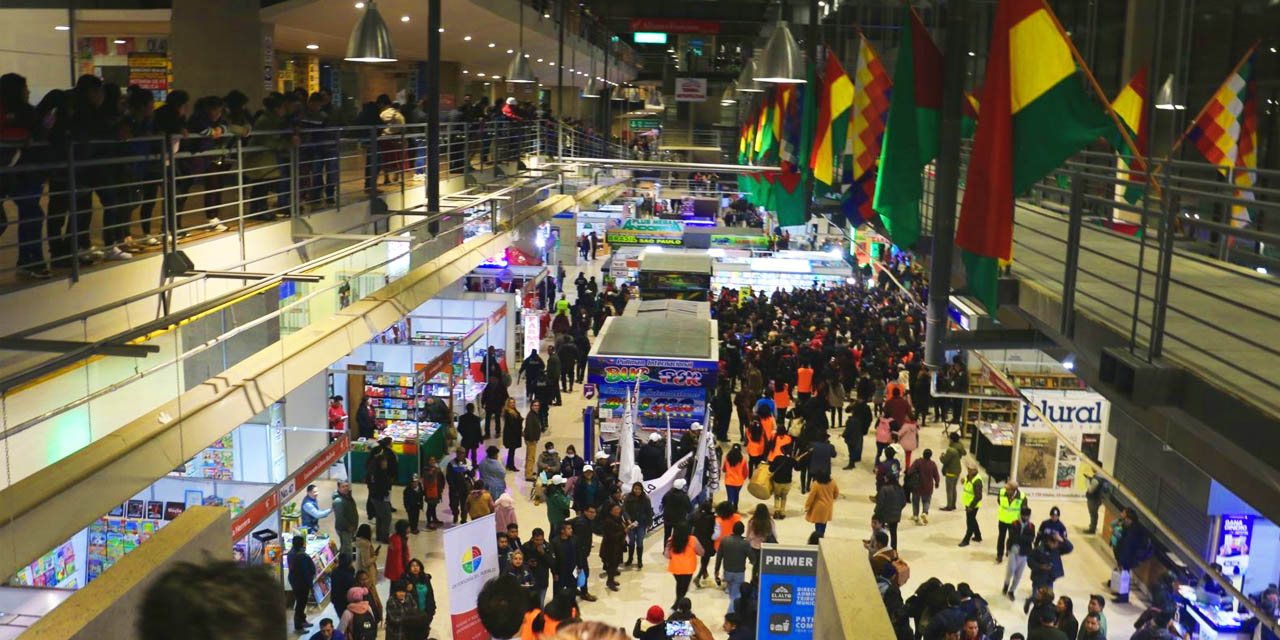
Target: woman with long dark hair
[(682, 554), (639, 512), (734, 471)]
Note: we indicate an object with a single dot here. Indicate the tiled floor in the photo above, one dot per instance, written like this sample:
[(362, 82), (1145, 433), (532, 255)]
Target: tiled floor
[(930, 550)]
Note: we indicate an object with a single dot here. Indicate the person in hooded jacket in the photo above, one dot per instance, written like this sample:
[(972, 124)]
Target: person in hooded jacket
[(358, 621)]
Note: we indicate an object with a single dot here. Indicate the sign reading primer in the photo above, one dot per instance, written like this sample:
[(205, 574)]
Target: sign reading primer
[(788, 590)]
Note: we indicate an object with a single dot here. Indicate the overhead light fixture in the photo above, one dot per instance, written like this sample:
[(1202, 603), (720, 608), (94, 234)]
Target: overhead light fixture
[(1164, 97), (481, 74), (118, 41), (359, 5), (746, 79), (781, 62), (404, 18), (492, 45), (539, 59), (466, 38), (312, 46), (370, 41), (496, 77), (62, 27), (730, 95), (513, 51), (441, 30), (465, 72), (518, 70)]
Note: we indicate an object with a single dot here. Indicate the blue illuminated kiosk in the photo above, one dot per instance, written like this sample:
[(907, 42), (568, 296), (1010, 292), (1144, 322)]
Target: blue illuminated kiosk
[(670, 347)]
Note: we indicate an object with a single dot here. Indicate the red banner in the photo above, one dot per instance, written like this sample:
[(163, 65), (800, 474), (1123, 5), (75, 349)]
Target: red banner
[(260, 509), (675, 25)]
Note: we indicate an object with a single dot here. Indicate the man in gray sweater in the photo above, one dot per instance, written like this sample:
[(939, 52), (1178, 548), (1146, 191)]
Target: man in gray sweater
[(732, 554)]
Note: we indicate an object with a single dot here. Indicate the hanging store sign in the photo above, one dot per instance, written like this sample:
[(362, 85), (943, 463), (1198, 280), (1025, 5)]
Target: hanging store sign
[(675, 25), (691, 89)]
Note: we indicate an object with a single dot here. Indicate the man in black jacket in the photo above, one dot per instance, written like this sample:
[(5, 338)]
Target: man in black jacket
[(568, 361), (1022, 535), (855, 429), (676, 508), (582, 543), (469, 432), (652, 458), (540, 558)]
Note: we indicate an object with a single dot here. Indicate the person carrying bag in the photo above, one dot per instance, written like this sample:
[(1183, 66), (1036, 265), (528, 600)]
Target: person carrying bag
[(761, 485)]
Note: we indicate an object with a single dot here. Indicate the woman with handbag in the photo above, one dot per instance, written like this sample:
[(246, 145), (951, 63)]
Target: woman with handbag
[(512, 430)]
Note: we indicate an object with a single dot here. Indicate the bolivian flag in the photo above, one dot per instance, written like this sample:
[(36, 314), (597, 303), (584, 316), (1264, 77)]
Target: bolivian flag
[(1035, 115), (1130, 105), (832, 129)]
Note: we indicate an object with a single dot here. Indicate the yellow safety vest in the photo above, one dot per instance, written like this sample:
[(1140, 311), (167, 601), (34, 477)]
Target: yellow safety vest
[(967, 494), (1010, 510)]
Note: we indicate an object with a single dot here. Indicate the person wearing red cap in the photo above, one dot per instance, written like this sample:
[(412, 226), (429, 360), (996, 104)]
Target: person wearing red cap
[(651, 626)]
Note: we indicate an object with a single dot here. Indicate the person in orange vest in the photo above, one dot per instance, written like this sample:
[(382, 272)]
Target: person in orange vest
[(755, 445), (734, 470), (682, 553), (563, 606), (782, 400), (766, 420), (804, 381), (779, 441)]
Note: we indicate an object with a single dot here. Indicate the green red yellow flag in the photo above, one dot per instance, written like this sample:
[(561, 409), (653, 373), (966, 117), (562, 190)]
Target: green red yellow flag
[(1035, 115), (1131, 106), (833, 123)]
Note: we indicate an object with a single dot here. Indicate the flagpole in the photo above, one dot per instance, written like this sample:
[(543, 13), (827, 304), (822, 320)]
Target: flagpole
[(1234, 70), (1097, 89)]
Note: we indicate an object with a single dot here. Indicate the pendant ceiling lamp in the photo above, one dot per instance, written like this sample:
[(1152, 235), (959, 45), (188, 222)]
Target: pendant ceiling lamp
[(370, 41), (654, 101), (782, 61), (518, 69), (730, 95), (746, 80)]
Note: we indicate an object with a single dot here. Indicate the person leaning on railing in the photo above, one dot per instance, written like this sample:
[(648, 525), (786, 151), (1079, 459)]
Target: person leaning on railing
[(262, 162), (22, 133)]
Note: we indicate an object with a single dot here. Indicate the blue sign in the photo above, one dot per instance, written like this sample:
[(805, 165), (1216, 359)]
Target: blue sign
[(788, 591), (669, 388)]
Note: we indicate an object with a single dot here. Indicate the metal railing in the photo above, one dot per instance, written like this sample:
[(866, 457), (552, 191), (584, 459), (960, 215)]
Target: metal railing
[(82, 202), (685, 137), (1171, 273)]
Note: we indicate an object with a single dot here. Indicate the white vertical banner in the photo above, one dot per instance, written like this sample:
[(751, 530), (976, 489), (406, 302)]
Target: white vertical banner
[(699, 464), (470, 560), (627, 470)]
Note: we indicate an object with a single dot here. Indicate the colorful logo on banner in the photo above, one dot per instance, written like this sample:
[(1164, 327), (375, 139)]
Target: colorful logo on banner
[(471, 560)]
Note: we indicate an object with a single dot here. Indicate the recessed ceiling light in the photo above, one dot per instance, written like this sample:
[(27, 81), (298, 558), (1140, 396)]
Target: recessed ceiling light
[(481, 74), (467, 38), (539, 59), (118, 41), (487, 84), (464, 71), (545, 15), (492, 45), (527, 55), (310, 46), (404, 18), (496, 77), (513, 51), (62, 27), (359, 5), (441, 29), (552, 63)]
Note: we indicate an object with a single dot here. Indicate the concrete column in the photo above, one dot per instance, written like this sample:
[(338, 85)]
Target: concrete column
[(217, 47)]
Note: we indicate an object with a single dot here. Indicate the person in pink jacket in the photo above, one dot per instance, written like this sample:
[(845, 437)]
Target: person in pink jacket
[(504, 509), (909, 438)]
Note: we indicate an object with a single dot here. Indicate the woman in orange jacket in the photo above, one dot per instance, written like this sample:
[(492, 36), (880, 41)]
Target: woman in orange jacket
[(682, 553), (734, 470), (781, 440)]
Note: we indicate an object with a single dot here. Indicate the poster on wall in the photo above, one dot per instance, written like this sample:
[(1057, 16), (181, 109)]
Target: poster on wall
[(150, 71), (691, 89), (471, 559), (678, 389), (1042, 462)]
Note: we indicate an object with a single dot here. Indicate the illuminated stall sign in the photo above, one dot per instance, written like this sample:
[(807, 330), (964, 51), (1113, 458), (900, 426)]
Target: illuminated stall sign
[(673, 388)]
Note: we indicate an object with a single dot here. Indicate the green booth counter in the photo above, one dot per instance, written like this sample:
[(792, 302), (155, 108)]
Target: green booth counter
[(430, 443)]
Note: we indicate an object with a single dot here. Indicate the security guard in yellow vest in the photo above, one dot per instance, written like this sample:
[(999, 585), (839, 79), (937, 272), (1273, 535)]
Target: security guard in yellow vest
[(970, 498), (1011, 503)]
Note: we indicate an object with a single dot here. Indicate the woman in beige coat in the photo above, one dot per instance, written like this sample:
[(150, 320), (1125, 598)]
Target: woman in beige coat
[(820, 504)]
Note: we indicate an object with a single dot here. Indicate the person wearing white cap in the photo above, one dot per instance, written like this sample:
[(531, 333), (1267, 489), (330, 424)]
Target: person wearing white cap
[(652, 458), (676, 507), (587, 491), (557, 502)]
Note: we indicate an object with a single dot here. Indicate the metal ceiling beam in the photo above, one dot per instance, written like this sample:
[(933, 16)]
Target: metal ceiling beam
[(67, 346)]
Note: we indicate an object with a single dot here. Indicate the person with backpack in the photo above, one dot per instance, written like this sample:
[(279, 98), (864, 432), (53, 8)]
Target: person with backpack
[(358, 622), (921, 479), (1097, 491)]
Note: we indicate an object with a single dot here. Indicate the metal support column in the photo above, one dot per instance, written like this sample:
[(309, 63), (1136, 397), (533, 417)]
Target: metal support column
[(560, 90), (811, 54), (946, 183), (1067, 323), (433, 113)]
